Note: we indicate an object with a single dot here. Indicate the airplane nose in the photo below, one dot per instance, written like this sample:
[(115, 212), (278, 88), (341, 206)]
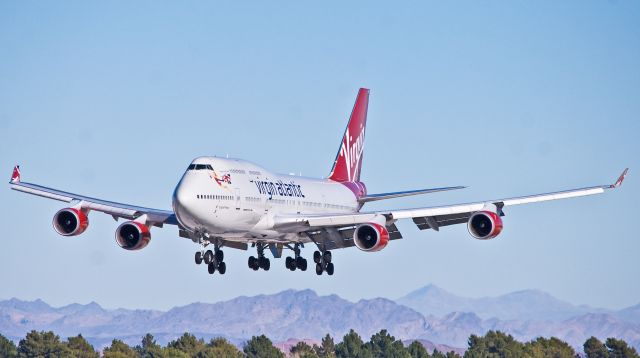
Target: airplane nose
[(182, 201)]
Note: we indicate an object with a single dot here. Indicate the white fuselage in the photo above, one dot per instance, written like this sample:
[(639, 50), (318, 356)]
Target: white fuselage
[(237, 200)]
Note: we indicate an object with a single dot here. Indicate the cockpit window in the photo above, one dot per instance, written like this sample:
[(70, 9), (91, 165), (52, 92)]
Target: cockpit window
[(200, 167)]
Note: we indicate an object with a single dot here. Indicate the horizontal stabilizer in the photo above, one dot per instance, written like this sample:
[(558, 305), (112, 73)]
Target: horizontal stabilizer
[(400, 194)]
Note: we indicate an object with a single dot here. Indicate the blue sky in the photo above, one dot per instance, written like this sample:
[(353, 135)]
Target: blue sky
[(113, 100)]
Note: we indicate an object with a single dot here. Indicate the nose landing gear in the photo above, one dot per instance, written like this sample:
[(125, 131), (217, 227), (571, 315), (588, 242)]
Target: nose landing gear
[(213, 259)]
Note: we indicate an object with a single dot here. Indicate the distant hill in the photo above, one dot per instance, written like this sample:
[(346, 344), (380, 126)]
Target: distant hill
[(290, 316), (520, 305)]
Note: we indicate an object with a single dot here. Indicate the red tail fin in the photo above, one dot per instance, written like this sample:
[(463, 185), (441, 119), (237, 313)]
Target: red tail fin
[(349, 158)]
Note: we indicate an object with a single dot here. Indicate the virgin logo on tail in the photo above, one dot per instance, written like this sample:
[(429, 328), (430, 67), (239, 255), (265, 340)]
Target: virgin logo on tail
[(348, 162), (352, 153)]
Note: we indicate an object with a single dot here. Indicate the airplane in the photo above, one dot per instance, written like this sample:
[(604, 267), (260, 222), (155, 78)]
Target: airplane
[(233, 203)]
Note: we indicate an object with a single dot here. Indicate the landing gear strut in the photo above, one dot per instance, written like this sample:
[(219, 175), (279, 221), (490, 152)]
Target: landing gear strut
[(323, 262), (260, 262), (296, 262), (213, 259)]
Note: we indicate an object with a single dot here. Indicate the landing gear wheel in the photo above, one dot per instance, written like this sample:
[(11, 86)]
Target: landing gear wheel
[(327, 256), (318, 269), (317, 256), (219, 256), (330, 269), (211, 268), (289, 263), (222, 268), (299, 262), (253, 263), (208, 257), (303, 267), (198, 258), (266, 265)]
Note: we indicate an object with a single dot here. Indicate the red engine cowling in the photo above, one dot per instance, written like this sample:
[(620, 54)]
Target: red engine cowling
[(70, 222), (484, 225), (132, 235), (371, 237)]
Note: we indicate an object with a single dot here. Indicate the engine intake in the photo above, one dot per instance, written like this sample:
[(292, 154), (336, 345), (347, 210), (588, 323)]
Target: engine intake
[(484, 225), (132, 235), (70, 222), (371, 237)]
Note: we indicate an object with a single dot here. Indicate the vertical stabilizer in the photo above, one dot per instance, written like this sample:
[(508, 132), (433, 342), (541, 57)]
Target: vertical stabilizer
[(348, 162)]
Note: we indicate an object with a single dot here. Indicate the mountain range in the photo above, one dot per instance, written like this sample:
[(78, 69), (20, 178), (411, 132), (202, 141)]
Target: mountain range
[(430, 314)]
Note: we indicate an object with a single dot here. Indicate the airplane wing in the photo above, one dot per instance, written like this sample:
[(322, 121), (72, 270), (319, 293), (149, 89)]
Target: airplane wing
[(400, 194), (155, 217), (340, 226)]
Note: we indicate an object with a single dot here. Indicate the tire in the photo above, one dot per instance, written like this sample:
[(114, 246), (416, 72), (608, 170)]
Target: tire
[(222, 268), (318, 269), (288, 263), (219, 256), (304, 265), (330, 269), (211, 268), (327, 256), (208, 257), (299, 262), (267, 264), (198, 258), (317, 256), (252, 262)]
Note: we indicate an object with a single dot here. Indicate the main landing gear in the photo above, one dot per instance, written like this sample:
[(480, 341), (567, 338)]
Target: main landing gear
[(323, 262), (261, 262), (296, 262), (213, 259)]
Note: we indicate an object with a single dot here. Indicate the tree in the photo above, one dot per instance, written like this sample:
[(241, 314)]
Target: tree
[(148, 348), (351, 346), (593, 348), (382, 344), (80, 348), (261, 347), (303, 350), (7, 348), (119, 349), (187, 343), (620, 349), (46, 344), (552, 348), (450, 354), (219, 347), (417, 350), (327, 347), (493, 344)]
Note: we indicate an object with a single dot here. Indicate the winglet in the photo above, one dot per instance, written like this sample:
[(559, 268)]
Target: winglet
[(620, 179), (15, 177)]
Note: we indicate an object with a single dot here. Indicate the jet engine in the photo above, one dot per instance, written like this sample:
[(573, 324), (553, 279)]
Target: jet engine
[(70, 222), (133, 235), (484, 225), (371, 237)]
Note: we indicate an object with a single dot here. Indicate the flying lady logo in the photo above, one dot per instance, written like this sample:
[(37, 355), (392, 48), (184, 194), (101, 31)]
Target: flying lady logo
[(222, 182), (352, 152)]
